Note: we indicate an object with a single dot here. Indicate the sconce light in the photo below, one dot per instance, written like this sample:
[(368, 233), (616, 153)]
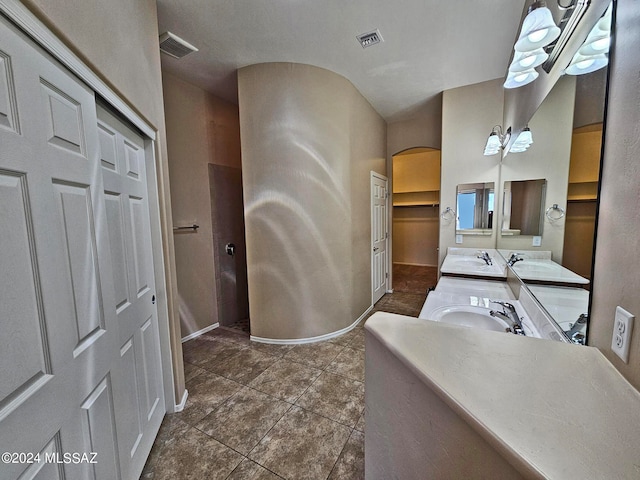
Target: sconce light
[(497, 140), (523, 142), (538, 30), (592, 55)]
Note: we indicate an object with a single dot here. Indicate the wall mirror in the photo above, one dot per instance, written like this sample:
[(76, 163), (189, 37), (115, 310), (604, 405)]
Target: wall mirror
[(475, 206), (576, 154), (523, 207)]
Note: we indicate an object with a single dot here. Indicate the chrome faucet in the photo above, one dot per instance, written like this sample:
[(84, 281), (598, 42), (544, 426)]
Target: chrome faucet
[(576, 333), (509, 315), (485, 256), (514, 258)]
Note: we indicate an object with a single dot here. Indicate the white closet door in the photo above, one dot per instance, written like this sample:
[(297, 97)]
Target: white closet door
[(64, 367), (139, 400)]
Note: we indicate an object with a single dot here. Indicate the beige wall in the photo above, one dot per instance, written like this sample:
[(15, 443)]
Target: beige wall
[(201, 129), (548, 158), (119, 41), (309, 140), (415, 234), (616, 280), (468, 114)]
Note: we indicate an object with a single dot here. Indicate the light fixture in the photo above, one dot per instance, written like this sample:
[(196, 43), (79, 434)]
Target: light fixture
[(523, 61), (538, 28), (581, 64), (592, 55), (497, 140), (523, 142), (518, 79)]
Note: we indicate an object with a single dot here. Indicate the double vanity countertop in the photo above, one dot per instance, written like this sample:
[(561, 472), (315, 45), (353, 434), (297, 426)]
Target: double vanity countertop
[(550, 409), (534, 266)]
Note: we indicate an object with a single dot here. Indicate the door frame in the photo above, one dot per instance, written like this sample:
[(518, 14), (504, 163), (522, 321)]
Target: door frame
[(379, 176), (24, 19)]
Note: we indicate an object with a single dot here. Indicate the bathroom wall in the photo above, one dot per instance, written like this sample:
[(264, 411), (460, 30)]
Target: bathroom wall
[(468, 114), (119, 41), (201, 129), (616, 280), (309, 140)]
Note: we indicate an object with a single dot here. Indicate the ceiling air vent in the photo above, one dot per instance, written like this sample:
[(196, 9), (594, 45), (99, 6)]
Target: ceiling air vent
[(371, 38), (174, 46)]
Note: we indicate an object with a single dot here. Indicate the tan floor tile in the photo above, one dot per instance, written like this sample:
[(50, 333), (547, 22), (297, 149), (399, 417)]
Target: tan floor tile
[(272, 349), (350, 464), (335, 397), (345, 338), (244, 419), (207, 391), (360, 425), (358, 340), (191, 371), (193, 455), (301, 446), (207, 350), (249, 470), (285, 380), (349, 363), (229, 335), (316, 355), (242, 367)]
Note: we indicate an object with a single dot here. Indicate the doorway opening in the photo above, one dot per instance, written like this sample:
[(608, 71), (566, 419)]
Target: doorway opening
[(415, 219), (229, 249)]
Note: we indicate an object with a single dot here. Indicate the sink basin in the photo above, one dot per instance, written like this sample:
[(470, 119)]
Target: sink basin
[(535, 267), (465, 261), (468, 316)]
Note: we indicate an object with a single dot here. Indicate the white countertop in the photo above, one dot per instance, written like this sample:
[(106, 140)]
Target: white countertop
[(552, 409), (564, 304), (479, 287), (464, 261), (547, 271)]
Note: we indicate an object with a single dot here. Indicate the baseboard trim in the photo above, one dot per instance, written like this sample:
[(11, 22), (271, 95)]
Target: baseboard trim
[(179, 407), (390, 291), (200, 332), (319, 338), (415, 264)]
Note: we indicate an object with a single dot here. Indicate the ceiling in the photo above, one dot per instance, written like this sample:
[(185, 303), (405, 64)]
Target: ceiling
[(429, 45)]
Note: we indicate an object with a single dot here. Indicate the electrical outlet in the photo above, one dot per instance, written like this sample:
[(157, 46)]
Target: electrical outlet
[(458, 238), (537, 241), (622, 328)]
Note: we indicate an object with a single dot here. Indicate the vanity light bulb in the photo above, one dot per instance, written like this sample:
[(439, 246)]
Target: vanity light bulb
[(584, 64), (527, 61), (535, 37), (602, 44)]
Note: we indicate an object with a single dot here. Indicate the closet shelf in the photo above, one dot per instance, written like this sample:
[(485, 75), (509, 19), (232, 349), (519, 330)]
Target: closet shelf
[(416, 204)]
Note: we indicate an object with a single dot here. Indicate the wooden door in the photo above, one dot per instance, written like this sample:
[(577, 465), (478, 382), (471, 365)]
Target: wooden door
[(379, 235), (64, 368)]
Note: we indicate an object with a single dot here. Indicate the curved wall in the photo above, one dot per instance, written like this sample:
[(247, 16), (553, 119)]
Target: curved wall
[(309, 140)]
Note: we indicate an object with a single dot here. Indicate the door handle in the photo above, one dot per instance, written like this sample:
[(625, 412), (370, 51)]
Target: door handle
[(153, 300), (375, 249), (231, 249)]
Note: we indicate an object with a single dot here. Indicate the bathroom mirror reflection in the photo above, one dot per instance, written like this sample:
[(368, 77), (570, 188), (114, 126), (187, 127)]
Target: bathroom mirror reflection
[(523, 207), (475, 206), (570, 238)]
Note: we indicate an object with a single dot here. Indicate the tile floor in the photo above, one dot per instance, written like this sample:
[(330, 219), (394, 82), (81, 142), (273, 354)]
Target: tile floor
[(258, 411)]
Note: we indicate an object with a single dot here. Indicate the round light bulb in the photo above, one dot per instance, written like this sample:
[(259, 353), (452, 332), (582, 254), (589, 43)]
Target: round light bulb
[(602, 44), (584, 64), (535, 37), (520, 78), (528, 61)]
